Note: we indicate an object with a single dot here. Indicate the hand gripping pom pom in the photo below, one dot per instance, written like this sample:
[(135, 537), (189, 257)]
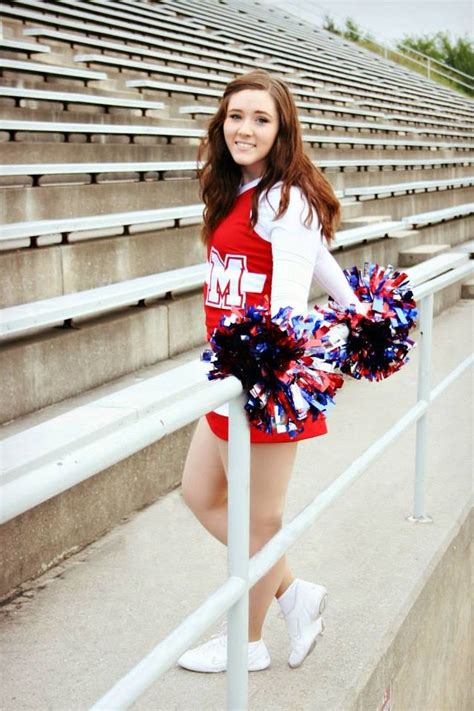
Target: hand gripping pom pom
[(285, 363), (378, 344)]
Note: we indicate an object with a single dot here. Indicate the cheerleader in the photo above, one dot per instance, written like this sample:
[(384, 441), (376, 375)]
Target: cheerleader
[(267, 211)]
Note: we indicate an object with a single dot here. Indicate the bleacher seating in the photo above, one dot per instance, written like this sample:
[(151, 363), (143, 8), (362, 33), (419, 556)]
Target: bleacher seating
[(102, 105), (7, 66), (22, 96)]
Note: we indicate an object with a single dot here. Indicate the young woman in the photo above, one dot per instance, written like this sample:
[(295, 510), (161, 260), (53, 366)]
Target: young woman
[(267, 208)]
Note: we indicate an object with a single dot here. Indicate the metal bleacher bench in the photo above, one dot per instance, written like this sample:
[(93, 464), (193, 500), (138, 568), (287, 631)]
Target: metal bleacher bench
[(69, 97), (64, 127), (98, 128), (40, 68), (448, 213), (20, 46), (76, 228), (421, 185), (44, 460), (16, 320), (39, 169)]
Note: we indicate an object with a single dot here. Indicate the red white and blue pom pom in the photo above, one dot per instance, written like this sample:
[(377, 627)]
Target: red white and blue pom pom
[(378, 344), (286, 364)]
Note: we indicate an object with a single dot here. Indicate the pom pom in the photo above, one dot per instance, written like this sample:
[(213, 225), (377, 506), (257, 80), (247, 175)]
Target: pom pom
[(377, 344), (285, 363)]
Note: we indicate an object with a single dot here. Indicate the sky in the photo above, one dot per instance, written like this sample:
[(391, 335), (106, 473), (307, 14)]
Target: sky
[(390, 19)]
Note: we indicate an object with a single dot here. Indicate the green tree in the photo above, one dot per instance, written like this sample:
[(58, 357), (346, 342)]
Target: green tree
[(352, 31), (330, 25), (459, 54)]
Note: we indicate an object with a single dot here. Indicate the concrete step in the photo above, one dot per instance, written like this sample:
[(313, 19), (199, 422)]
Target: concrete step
[(129, 118), (96, 262), (57, 58), (406, 236), (416, 255), (29, 83), (113, 345), (56, 201), (112, 84), (15, 152), (350, 222), (467, 290), (398, 590)]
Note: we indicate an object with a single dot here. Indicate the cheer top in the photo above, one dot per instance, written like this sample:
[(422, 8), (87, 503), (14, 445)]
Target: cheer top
[(277, 259)]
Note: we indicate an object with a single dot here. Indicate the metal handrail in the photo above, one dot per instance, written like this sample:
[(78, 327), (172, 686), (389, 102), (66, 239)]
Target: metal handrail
[(244, 573), (431, 69), (436, 61), (388, 46)]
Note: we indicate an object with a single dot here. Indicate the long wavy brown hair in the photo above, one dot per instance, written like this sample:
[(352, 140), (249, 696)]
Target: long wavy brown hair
[(220, 176)]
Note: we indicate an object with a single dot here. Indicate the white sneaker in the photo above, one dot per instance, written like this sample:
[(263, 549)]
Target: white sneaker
[(301, 606), (212, 656)]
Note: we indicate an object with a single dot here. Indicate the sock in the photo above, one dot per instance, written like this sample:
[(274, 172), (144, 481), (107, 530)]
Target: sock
[(287, 599)]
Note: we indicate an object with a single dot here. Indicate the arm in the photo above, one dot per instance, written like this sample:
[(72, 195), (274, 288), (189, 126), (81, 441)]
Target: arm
[(331, 277), (294, 250), (298, 254)]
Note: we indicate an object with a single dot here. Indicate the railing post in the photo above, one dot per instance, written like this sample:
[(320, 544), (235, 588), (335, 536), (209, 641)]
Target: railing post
[(424, 388), (238, 552)]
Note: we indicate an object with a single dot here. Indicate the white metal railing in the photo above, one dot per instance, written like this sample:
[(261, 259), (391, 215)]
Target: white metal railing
[(232, 596), (428, 64)]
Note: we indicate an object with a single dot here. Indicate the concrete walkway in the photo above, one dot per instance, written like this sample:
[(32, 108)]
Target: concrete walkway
[(88, 621)]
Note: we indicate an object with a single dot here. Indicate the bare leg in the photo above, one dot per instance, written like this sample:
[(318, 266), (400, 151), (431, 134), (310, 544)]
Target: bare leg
[(271, 470), (205, 492)]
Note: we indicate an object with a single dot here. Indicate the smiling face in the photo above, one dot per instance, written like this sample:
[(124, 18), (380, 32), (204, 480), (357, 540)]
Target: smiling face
[(250, 128)]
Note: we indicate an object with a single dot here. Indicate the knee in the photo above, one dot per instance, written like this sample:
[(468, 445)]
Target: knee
[(262, 528), (197, 501)]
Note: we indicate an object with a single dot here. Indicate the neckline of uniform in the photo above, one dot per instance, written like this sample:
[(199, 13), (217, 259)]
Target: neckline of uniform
[(249, 185)]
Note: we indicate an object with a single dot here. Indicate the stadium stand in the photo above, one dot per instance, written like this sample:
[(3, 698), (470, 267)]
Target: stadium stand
[(102, 106), (113, 220)]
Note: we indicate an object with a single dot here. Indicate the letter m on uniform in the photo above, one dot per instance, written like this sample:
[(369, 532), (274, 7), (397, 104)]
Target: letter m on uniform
[(225, 280), (228, 280)]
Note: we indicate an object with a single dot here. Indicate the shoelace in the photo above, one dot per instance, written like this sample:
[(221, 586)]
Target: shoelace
[(222, 630)]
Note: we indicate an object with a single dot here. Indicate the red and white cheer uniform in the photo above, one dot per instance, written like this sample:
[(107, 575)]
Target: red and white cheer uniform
[(276, 259)]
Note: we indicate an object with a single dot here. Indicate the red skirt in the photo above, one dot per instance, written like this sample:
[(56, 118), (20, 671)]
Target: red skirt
[(219, 424)]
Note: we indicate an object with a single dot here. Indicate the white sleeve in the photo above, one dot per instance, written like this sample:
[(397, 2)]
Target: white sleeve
[(299, 253), (329, 274), (294, 249)]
